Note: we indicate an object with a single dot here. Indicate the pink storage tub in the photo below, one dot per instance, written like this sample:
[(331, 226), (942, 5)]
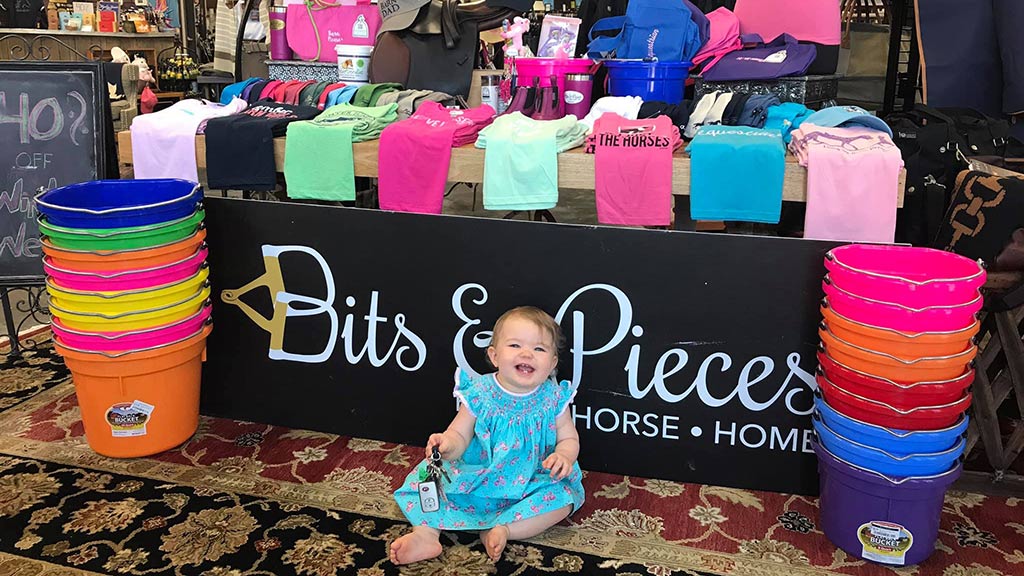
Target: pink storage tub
[(135, 279), (897, 317), (131, 340), (905, 275), (544, 68)]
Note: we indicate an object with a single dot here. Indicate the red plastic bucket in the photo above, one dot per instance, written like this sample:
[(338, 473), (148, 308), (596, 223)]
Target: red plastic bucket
[(884, 414), (900, 394)]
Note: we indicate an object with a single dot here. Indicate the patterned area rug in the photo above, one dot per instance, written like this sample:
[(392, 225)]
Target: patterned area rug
[(244, 498)]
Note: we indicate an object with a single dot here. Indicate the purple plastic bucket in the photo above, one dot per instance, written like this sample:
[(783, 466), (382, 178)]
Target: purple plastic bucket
[(893, 521)]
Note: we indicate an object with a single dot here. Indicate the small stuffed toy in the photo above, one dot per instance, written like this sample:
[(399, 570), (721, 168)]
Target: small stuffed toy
[(513, 35)]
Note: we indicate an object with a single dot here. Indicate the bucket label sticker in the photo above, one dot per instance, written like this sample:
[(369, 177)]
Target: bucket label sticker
[(573, 97), (360, 29), (884, 542), (128, 419)]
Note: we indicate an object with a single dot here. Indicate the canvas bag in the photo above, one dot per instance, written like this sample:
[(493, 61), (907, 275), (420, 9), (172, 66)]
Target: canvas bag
[(664, 29), (724, 38), (315, 27), (781, 57)]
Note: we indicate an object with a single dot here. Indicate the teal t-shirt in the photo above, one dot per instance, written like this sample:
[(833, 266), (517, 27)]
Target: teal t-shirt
[(736, 173)]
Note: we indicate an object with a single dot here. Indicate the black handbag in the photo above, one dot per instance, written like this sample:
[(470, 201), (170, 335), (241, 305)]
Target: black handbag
[(932, 154)]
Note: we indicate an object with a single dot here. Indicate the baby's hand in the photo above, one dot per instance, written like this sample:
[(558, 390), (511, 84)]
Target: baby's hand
[(559, 465), (444, 445)]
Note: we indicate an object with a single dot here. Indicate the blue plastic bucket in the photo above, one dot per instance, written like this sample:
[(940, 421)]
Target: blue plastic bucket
[(119, 203), (658, 81), (890, 439), (883, 462), (892, 521)]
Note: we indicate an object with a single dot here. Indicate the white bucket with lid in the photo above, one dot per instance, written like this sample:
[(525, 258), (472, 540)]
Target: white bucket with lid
[(353, 62)]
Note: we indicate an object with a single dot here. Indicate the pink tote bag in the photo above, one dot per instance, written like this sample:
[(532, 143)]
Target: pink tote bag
[(315, 27)]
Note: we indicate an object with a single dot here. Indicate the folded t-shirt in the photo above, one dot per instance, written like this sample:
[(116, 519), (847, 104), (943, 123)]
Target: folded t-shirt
[(418, 152), (633, 169), (240, 148), (521, 163), (736, 173), (164, 142)]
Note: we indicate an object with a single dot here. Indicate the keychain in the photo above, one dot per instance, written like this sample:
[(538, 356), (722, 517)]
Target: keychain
[(430, 486)]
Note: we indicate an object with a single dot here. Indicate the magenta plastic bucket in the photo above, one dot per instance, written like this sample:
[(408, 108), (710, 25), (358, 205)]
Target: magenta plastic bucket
[(132, 279), (887, 314), (911, 276), (889, 520), (132, 340), (544, 68)]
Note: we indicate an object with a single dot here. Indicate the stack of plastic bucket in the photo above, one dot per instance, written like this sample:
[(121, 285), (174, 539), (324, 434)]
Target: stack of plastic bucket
[(127, 280), (895, 365)]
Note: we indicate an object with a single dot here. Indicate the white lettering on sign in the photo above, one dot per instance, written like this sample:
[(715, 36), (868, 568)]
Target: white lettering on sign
[(716, 371), (45, 119), (756, 371), (627, 422), (755, 436), (16, 201)]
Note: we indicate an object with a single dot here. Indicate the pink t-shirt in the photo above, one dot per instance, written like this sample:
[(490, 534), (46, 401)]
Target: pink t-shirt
[(807, 20), (633, 169), (418, 152), (852, 182)]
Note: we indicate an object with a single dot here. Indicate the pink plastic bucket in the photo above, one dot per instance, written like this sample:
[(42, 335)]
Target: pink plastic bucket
[(134, 279), (134, 339), (909, 276), (544, 68), (898, 317)]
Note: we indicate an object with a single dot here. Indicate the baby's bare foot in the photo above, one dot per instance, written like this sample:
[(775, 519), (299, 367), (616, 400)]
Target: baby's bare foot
[(415, 546), (494, 541)]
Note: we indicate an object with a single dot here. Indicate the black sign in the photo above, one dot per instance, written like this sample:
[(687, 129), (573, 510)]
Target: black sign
[(52, 133), (693, 352)]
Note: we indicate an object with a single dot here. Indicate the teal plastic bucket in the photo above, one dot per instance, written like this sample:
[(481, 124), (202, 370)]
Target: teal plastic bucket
[(658, 81)]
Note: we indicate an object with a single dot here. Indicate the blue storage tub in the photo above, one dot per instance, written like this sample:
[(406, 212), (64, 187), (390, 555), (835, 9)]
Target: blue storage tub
[(119, 203), (891, 440), (924, 464), (658, 81)]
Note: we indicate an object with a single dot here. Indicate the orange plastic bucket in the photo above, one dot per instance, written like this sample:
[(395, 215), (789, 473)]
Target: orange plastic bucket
[(882, 365), (139, 403), (898, 343), (117, 260)]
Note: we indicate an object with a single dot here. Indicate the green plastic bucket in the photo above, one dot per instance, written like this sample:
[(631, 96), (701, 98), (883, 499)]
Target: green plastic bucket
[(122, 238)]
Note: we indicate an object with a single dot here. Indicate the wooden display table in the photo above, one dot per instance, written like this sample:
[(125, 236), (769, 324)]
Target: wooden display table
[(575, 168)]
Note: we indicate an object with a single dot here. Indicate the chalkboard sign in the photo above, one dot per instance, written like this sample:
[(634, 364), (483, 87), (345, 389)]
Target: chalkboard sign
[(54, 124)]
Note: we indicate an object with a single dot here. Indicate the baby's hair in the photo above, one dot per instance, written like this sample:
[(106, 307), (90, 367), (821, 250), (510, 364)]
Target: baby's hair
[(537, 316)]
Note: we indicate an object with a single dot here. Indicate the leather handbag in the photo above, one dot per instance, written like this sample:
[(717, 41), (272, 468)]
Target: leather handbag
[(438, 50)]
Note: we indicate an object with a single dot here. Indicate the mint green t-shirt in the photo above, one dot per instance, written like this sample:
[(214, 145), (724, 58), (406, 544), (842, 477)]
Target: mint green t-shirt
[(318, 162), (521, 162)]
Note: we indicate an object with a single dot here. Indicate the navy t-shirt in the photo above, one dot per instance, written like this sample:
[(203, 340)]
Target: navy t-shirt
[(240, 148)]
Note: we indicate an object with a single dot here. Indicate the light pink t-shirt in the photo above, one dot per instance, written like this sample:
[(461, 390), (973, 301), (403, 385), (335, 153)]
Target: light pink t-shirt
[(633, 169), (852, 182), (807, 20), (418, 151), (164, 142)]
